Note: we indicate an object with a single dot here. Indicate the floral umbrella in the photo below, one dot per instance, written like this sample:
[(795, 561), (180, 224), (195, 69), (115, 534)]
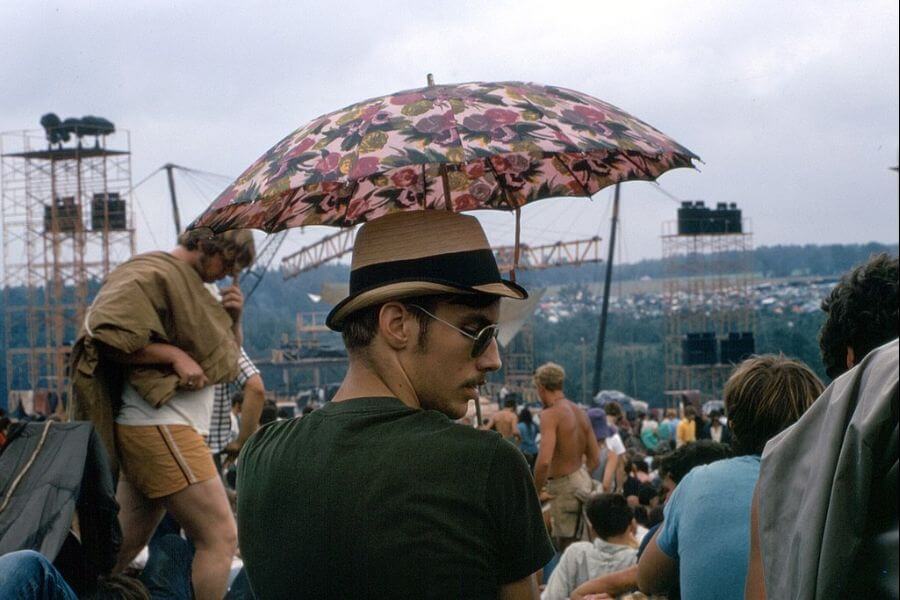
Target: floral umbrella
[(448, 147)]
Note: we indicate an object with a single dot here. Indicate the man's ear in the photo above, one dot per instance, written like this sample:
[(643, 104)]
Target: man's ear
[(395, 325), (851, 357)]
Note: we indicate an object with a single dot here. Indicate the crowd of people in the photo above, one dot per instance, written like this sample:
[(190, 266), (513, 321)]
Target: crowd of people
[(383, 493)]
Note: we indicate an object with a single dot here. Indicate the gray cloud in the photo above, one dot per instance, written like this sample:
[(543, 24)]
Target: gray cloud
[(793, 106)]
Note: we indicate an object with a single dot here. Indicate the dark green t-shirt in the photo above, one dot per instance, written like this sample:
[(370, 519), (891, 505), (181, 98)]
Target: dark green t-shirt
[(370, 498)]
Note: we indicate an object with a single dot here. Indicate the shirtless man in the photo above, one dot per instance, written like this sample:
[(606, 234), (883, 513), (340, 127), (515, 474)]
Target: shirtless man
[(568, 446), (505, 422)]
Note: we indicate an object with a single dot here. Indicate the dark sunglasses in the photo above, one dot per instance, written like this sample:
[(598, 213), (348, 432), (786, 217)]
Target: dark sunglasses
[(480, 340)]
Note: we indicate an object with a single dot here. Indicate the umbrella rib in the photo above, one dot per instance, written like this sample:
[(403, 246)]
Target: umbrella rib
[(586, 191), (446, 185), (639, 167), (506, 199), (512, 274)]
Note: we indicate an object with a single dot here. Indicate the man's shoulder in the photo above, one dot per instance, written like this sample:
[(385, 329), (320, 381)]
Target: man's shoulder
[(728, 471)]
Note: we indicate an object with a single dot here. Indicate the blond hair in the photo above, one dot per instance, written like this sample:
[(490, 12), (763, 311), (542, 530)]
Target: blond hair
[(764, 396), (550, 376)]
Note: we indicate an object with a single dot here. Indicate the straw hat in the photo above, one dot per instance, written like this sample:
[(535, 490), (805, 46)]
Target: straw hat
[(419, 253)]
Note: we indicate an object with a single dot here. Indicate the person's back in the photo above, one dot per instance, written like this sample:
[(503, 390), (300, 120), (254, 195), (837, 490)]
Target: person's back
[(613, 549), (668, 426), (367, 525), (528, 432), (567, 455), (649, 435), (705, 538), (712, 542), (572, 431), (505, 422)]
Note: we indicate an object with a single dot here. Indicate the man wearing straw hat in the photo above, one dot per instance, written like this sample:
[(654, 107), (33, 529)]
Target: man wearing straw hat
[(380, 493)]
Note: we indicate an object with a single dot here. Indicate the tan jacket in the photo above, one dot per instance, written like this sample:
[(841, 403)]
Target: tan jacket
[(153, 297)]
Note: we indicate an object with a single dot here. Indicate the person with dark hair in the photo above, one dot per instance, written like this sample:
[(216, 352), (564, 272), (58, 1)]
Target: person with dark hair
[(380, 492), (678, 463), (717, 429), (528, 431), (675, 466), (846, 544), (230, 429), (862, 313), (153, 343), (614, 547), (704, 540), (269, 412), (648, 496)]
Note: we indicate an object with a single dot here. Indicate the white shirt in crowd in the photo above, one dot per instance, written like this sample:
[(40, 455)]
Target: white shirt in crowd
[(583, 561), (615, 445)]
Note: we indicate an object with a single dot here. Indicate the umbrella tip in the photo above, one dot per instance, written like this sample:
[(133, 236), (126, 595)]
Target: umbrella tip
[(430, 79)]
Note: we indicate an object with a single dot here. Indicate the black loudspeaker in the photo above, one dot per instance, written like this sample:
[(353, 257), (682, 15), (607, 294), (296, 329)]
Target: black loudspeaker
[(63, 216), (699, 348), (737, 347), (695, 218), (109, 210)]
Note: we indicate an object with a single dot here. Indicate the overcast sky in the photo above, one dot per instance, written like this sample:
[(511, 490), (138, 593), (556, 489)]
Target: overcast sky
[(793, 106)]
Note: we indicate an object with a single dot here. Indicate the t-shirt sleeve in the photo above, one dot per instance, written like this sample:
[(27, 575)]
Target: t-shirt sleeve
[(615, 445), (668, 531), (522, 541)]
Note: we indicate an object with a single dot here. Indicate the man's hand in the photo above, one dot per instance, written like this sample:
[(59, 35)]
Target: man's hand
[(233, 301), (190, 374), (545, 496), (231, 452)]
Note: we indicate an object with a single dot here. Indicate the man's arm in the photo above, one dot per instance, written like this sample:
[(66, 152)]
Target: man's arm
[(157, 353), (755, 588), (613, 584), (523, 589), (545, 452), (657, 571), (251, 409), (592, 451), (609, 472)]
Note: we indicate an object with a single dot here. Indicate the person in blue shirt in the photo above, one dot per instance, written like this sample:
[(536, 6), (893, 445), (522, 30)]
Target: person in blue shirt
[(704, 541)]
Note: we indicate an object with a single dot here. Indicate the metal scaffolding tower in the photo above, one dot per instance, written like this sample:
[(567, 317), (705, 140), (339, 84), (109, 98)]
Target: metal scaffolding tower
[(710, 322), (67, 221)]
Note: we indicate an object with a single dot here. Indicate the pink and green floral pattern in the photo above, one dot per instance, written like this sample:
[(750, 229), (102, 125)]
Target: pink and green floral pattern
[(449, 147)]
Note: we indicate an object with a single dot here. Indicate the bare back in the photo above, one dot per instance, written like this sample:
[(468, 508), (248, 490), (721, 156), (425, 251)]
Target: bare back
[(505, 423), (573, 437)]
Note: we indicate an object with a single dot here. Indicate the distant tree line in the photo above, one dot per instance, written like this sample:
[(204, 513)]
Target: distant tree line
[(634, 354)]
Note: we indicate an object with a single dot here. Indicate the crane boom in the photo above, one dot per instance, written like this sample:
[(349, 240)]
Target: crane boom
[(546, 256), (317, 254)]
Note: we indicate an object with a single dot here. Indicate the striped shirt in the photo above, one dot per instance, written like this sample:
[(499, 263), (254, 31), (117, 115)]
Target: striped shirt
[(220, 422)]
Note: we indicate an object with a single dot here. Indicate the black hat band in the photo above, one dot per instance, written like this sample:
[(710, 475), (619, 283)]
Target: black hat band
[(463, 269)]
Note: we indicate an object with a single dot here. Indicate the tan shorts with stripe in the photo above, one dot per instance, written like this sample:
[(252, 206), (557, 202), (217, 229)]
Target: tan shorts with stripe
[(160, 460)]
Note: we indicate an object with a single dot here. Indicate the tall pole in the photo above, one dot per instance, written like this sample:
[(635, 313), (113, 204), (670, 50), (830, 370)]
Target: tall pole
[(598, 365), (168, 167), (584, 398)]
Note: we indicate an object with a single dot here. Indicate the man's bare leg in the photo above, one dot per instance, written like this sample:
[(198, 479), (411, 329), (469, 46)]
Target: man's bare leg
[(138, 516), (204, 513)]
